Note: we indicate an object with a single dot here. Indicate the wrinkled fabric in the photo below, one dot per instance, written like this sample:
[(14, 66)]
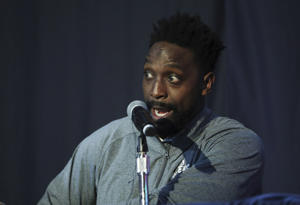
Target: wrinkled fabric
[(213, 159)]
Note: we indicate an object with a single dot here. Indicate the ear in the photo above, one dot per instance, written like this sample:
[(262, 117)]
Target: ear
[(208, 82)]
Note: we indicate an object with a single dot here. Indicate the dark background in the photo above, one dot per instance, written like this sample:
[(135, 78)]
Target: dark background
[(69, 67)]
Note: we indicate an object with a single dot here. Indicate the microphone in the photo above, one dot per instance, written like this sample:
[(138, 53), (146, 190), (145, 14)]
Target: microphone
[(138, 113)]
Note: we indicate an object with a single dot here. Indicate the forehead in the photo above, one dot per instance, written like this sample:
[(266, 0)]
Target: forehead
[(169, 53)]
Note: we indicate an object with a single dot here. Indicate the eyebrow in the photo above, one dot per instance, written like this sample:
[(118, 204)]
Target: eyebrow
[(174, 65)]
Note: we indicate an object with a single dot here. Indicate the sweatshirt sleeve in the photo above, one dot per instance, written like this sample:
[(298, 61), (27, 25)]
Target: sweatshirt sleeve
[(229, 168), (75, 184)]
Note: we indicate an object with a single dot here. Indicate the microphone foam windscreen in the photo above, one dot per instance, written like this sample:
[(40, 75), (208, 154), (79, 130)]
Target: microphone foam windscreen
[(134, 104)]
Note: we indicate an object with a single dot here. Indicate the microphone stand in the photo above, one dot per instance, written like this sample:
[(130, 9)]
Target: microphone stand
[(143, 164)]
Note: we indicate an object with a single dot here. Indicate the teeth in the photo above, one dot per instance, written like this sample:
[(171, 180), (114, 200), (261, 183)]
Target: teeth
[(160, 114)]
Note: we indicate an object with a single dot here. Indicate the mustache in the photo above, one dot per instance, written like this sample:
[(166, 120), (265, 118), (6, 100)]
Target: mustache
[(153, 103)]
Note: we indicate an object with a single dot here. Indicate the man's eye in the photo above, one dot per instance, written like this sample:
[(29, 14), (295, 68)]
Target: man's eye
[(173, 78), (148, 75)]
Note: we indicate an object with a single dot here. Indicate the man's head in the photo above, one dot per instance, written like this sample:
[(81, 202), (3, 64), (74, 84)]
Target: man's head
[(178, 68)]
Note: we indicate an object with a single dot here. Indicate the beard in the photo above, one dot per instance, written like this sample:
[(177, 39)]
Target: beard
[(173, 124)]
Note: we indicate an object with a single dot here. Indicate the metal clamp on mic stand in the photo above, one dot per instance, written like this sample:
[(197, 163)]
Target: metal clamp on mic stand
[(142, 162)]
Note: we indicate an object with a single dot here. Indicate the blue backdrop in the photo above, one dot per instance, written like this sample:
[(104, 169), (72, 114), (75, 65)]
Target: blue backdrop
[(69, 67)]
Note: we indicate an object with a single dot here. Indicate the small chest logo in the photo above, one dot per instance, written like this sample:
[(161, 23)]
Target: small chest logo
[(181, 168)]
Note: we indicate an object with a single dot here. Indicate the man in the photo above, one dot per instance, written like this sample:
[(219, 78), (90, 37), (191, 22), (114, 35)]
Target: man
[(196, 157)]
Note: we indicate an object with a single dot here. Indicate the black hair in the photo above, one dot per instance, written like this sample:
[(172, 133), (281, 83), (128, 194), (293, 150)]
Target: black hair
[(189, 32)]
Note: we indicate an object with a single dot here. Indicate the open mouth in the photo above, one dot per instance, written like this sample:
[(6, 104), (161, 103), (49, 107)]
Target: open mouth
[(159, 112)]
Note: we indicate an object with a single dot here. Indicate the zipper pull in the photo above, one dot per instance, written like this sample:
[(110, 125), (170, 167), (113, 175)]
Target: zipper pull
[(167, 155)]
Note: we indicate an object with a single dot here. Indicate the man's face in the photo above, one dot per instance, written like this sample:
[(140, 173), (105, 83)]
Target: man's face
[(171, 83)]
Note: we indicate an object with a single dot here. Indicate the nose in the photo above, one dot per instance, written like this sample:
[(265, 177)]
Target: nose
[(159, 90)]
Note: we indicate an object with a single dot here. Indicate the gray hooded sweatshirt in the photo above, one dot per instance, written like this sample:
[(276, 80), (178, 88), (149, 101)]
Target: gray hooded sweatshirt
[(213, 159)]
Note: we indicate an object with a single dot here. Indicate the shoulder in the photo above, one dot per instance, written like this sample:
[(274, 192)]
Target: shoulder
[(116, 128), (232, 139), (229, 129), (96, 143)]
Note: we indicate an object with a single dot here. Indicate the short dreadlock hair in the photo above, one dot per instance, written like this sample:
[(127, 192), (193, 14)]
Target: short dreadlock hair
[(189, 32)]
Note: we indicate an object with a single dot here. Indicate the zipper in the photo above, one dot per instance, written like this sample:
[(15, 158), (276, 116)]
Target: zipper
[(164, 164)]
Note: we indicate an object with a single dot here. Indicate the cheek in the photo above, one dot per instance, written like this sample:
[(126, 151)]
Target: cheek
[(146, 90), (187, 98)]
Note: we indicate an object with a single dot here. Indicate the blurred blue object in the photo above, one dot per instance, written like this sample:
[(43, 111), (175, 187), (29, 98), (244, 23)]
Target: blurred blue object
[(263, 199)]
